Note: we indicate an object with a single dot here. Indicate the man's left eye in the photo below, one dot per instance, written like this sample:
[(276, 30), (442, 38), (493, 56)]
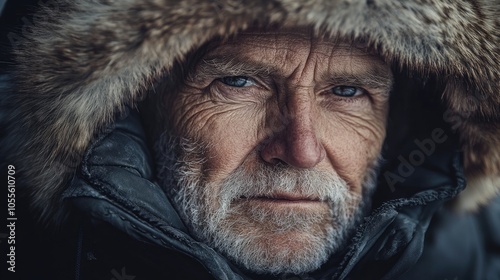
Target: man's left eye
[(347, 91), (237, 81)]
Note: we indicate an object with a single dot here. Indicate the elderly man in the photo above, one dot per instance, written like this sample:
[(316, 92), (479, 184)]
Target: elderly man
[(280, 134), (273, 140)]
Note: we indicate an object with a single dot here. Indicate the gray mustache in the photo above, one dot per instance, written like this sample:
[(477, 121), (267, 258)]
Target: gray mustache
[(268, 181)]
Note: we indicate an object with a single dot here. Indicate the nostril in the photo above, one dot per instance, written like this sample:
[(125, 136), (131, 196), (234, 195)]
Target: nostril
[(273, 151), (277, 162)]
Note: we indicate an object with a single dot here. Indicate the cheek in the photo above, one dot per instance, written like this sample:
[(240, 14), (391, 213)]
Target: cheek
[(353, 140), (229, 132), (233, 140)]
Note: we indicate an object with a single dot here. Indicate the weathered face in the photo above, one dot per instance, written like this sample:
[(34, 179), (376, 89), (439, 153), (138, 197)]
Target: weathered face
[(280, 133)]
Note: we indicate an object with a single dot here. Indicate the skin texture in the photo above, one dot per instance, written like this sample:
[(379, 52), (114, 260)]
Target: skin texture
[(274, 99), (288, 113)]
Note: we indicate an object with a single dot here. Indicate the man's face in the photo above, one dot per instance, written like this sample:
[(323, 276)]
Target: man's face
[(280, 134)]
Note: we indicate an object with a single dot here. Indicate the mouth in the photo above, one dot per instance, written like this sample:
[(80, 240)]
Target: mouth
[(283, 198)]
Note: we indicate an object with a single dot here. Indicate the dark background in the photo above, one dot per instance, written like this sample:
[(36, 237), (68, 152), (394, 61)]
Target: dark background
[(34, 249)]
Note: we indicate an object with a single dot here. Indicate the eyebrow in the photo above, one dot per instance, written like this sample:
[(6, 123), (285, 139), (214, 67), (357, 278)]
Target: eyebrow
[(233, 65), (373, 79)]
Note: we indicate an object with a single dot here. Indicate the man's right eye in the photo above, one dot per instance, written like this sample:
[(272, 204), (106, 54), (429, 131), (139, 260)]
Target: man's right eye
[(237, 81)]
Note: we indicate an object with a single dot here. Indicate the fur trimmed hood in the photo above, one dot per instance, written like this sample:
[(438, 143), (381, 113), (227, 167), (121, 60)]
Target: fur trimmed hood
[(84, 61)]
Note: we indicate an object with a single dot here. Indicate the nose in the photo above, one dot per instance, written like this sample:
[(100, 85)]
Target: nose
[(295, 141)]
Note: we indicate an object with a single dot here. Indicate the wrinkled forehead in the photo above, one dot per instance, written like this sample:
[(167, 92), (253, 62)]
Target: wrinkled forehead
[(283, 50), (296, 39)]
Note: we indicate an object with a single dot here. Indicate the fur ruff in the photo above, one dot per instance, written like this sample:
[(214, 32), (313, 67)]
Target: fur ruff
[(84, 61)]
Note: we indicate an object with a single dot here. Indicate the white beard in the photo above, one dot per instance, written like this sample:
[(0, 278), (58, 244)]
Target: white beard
[(259, 239)]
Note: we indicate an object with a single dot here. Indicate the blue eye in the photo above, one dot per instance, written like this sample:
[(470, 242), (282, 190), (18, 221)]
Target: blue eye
[(346, 91), (237, 81)]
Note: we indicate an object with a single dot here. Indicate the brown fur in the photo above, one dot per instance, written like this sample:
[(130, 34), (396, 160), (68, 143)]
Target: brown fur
[(89, 59)]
